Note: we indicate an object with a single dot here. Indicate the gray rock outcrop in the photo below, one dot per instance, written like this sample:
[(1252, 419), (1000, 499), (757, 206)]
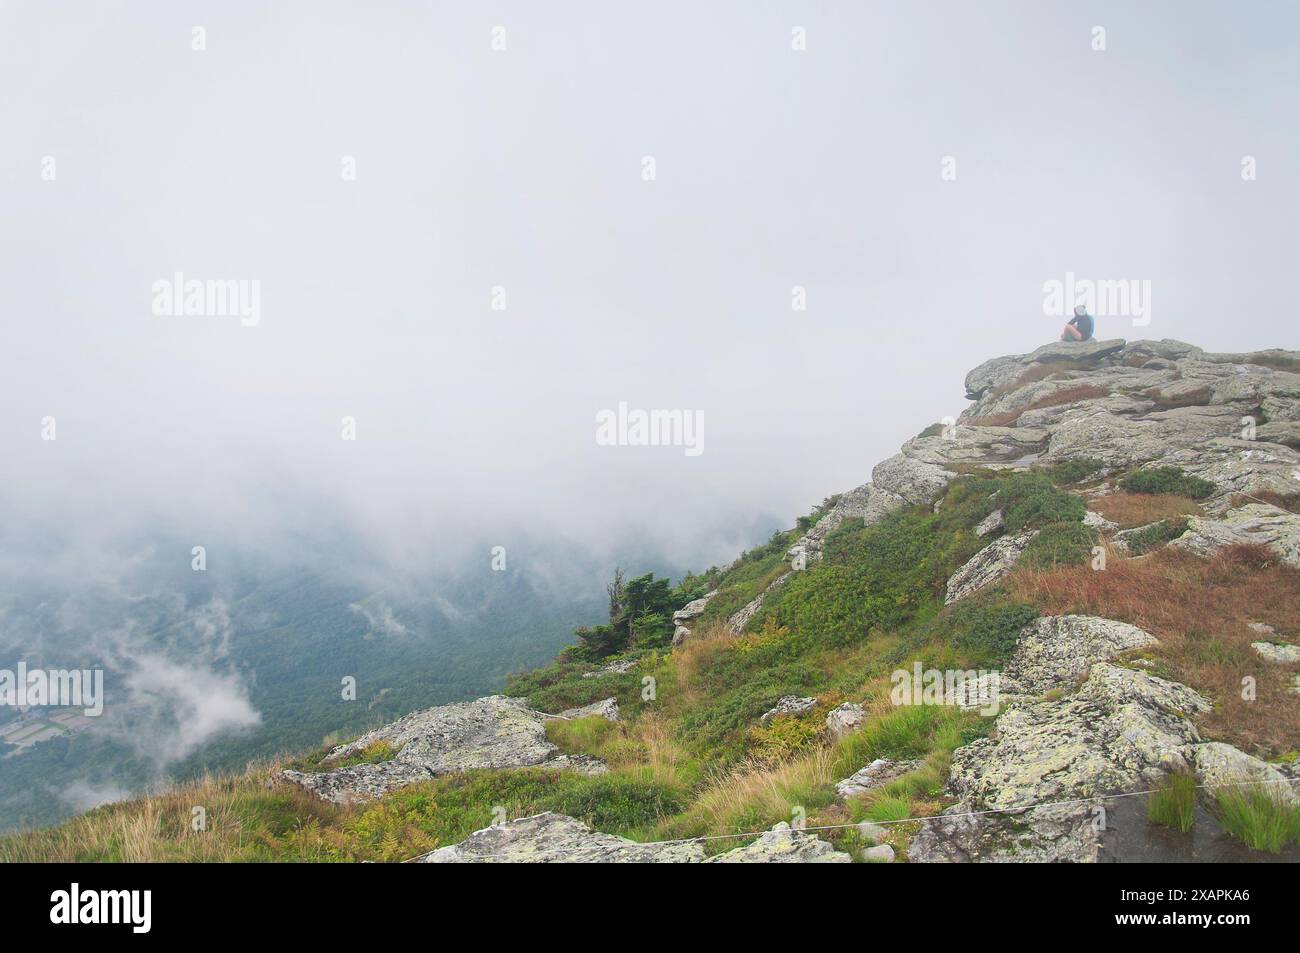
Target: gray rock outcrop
[(844, 719), (789, 705), (607, 709), (492, 732), (1280, 652), (693, 609), (782, 845), (552, 838), (877, 774), (1258, 523), (1122, 731), (1223, 767), (1056, 651), (986, 567), (990, 524), (737, 622)]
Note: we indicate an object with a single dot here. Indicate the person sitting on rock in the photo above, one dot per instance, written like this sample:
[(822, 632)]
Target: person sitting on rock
[(1080, 326)]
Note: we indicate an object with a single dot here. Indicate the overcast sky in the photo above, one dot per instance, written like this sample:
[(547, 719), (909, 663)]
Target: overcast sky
[(523, 168)]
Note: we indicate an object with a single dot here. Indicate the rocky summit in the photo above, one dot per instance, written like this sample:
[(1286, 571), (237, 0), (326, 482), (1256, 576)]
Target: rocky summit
[(1080, 719)]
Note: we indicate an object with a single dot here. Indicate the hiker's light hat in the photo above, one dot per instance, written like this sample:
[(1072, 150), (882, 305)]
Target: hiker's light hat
[(1080, 310)]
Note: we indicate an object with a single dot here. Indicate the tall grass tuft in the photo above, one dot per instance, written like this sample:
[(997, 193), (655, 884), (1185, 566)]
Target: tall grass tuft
[(1261, 819), (1173, 803)]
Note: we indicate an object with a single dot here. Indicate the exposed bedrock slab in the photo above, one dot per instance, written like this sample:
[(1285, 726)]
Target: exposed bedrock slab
[(492, 732)]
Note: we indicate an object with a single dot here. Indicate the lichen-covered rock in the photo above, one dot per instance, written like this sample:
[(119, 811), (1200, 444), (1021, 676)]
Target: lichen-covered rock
[(844, 719), (1053, 833), (1114, 440), (987, 566), (737, 622), (1056, 651), (1237, 466), (1099, 523), (680, 635), (1259, 523), (1122, 731), (552, 838), (879, 854), (990, 524), (492, 732), (693, 609), (877, 774), (1223, 767), (607, 709), (854, 503), (911, 480), (1279, 652), (1001, 371), (620, 667), (782, 845), (789, 705)]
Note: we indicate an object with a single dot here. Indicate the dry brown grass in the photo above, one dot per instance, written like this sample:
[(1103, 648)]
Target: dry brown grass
[(158, 828), (1139, 509), (1283, 501), (664, 757), (1066, 395), (703, 644), (755, 794), (1199, 610)]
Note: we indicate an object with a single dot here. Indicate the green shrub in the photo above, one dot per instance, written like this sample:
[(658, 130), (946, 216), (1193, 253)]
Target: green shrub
[(1060, 544), (1173, 803), (1157, 534), (1170, 480), (1032, 501), (985, 632), (456, 806), (785, 736), (1073, 471), (743, 689)]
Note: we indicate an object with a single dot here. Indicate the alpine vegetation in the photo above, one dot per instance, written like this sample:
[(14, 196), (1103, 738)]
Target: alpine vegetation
[(976, 655)]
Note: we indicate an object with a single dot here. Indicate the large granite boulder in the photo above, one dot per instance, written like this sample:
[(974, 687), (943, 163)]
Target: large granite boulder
[(1023, 792), (492, 732), (1223, 768)]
